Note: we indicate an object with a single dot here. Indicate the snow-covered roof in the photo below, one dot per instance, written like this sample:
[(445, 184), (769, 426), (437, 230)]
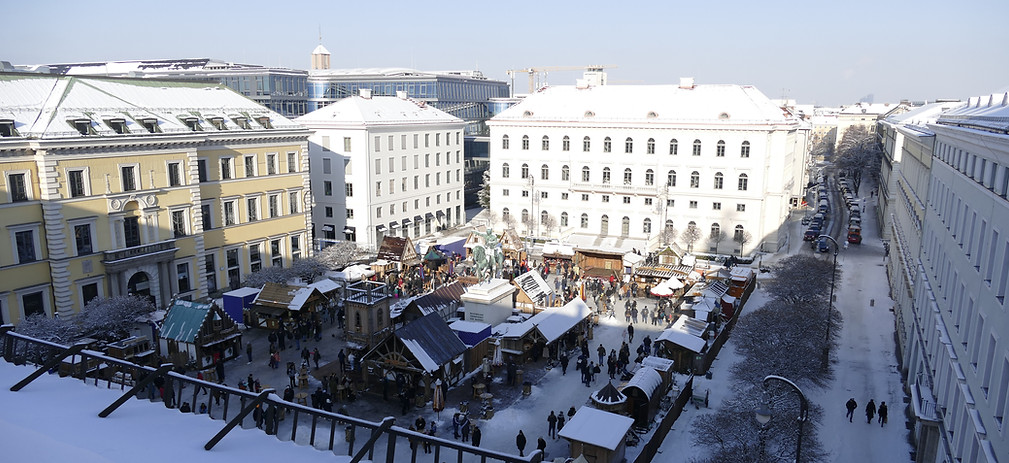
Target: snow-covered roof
[(320, 50), (352, 273), (554, 322), (685, 333), (285, 296), (631, 259), (986, 112), (925, 114), (534, 286), (431, 341), (376, 110), (468, 326), (658, 363), (723, 104), (242, 292), (646, 379), (325, 286), (741, 273), (301, 297), (558, 249), (608, 395), (596, 427), (868, 108)]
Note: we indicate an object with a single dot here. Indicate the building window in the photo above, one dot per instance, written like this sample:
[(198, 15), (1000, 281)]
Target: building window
[(586, 144), (606, 198), (744, 150), (673, 147), (525, 193), (350, 213), (129, 177), (292, 162), (89, 291), (737, 233), (76, 180), (226, 164), (565, 173), (210, 269), (606, 175), (182, 272), (525, 170), (329, 212), (695, 179), (627, 199), (293, 200), (604, 225), (544, 172), (740, 207), (33, 304), (648, 201), (505, 170), (585, 174), (346, 144), (743, 182), (273, 202), (716, 206), (295, 247), (504, 142), (201, 170), (607, 145), (715, 230), (250, 166), (585, 221), (718, 181), (628, 145), (525, 142), (271, 164), (693, 205), (252, 204), (234, 268), (174, 174), (255, 258), (206, 216), (505, 192), (378, 212), (670, 202), (82, 238), (24, 243), (646, 227), (627, 176), (276, 257), (649, 177), (179, 223), (543, 195), (566, 143), (697, 148), (131, 231), (671, 178), (544, 216), (505, 215), (229, 213), (720, 149), (585, 196), (564, 219), (545, 144)]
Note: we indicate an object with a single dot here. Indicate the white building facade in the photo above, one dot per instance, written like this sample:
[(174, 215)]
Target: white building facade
[(958, 371), (616, 165), (384, 165)]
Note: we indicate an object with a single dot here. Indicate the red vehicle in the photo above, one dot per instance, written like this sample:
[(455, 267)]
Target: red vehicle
[(854, 234)]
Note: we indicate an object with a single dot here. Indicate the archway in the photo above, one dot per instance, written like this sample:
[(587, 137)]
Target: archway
[(140, 285)]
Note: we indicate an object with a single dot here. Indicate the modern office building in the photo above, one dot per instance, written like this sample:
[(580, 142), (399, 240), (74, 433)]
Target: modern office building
[(616, 165), (957, 356), (384, 165), (159, 188)]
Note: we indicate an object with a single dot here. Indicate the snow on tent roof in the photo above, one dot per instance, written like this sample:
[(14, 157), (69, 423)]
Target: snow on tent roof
[(631, 258), (681, 334), (184, 320), (512, 330), (658, 363), (468, 327), (553, 323), (325, 286), (609, 395), (596, 427), (431, 341), (534, 286), (558, 249), (646, 379), (242, 292)]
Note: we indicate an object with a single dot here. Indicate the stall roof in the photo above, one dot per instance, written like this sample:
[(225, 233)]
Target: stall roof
[(558, 249), (596, 427), (685, 333), (184, 320), (742, 274), (663, 271), (431, 341), (534, 286), (609, 395), (646, 379), (631, 259), (658, 363), (352, 273), (553, 323), (439, 298), (242, 292), (468, 327), (325, 286)]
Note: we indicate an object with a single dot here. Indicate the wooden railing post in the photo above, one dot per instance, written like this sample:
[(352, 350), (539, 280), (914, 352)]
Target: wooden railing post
[(139, 386), (50, 364), (238, 418), (375, 434)]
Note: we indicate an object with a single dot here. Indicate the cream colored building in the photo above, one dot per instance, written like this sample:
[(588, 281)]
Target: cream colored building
[(114, 186)]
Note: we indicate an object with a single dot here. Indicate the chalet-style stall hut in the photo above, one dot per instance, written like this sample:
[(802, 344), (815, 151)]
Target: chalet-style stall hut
[(423, 351), (555, 253), (445, 301), (597, 435), (198, 333), (366, 311), (527, 340), (534, 294), (643, 391), (600, 263), (512, 246), (276, 304), (651, 276), (399, 251), (683, 343)]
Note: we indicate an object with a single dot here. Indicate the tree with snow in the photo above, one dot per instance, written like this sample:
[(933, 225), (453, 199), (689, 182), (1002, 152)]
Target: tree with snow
[(801, 279), (52, 329), (483, 195), (690, 236), (111, 319), (858, 151)]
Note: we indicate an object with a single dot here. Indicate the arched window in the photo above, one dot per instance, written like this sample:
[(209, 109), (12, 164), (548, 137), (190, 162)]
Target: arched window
[(505, 215), (671, 178), (627, 176), (564, 219), (604, 225), (586, 144), (505, 170), (504, 142), (525, 142), (673, 147), (715, 229), (628, 145), (669, 224), (585, 174), (650, 147), (545, 144), (525, 170), (647, 226), (544, 172), (607, 145), (720, 149), (695, 179), (606, 175), (357, 320), (649, 177), (744, 150), (625, 226), (585, 221), (565, 173), (743, 182), (525, 216), (718, 181), (697, 148), (737, 234), (566, 143), (543, 217)]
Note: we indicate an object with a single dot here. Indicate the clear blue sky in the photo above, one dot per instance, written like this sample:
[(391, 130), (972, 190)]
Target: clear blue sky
[(823, 52)]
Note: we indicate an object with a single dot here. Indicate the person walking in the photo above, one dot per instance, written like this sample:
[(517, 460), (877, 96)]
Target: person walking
[(248, 351), (564, 363), (476, 436), (291, 373), (552, 425), (870, 410), (560, 421), (851, 405), (602, 353), (456, 421), (882, 413), (541, 445), (520, 442), (464, 427), (630, 332), (316, 356)]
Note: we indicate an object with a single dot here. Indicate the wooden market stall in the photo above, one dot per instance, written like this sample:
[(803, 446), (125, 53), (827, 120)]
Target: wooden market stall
[(599, 263), (643, 391), (683, 342), (534, 294), (512, 245), (425, 349), (528, 339), (445, 301), (400, 251), (276, 303), (198, 333), (597, 435)]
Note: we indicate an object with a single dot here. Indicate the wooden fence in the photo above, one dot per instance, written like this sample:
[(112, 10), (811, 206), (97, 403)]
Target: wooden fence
[(651, 447)]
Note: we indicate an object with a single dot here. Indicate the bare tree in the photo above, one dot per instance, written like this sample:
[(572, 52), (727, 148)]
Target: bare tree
[(690, 236), (858, 151), (742, 238), (668, 235), (111, 319), (549, 223), (717, 238)]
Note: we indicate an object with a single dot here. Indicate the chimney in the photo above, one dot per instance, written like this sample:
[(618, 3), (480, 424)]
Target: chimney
[(687, 82), (365, 93)]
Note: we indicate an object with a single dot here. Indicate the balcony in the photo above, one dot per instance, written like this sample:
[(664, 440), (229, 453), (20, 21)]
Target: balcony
[(615, 188), (120, 259)]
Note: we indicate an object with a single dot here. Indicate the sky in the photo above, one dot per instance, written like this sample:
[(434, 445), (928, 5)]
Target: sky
[(816, 52)]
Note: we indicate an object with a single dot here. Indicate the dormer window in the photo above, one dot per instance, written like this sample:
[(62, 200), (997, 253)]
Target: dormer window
[(218, 123), (83, 126), (652, 114), (118, 125), (242, 122), (589, 114), (264, 121), (151, 124), (527, 114), (193, 123), (7, 128)]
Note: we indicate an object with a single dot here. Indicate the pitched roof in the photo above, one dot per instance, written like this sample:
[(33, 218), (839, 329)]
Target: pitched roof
[(597, 427), (392, 248), (609, 395), (440, 297), (534, 286), (686, 333), (184, 320), (376, 110), (285, 296), (431, 341)]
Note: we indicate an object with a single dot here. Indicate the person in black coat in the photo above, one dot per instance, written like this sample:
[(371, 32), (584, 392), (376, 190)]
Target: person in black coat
[(520, 442), (476, 436), (882, 413), (541, 445), (851, 405), (870, 410)]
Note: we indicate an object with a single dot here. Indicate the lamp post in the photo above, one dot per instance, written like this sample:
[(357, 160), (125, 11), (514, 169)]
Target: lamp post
[(830, 303), (764, 415)]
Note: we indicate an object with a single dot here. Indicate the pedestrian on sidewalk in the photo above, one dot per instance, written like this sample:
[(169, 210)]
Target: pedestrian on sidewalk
[(464, 427), (630, 332), (602, 353), (476, 436), (248, 351), (316, 356), (882, 413), (541, 445), (552, 425), (456, 421), (560, 421), (520, 442), (851, 405), (870, 410)]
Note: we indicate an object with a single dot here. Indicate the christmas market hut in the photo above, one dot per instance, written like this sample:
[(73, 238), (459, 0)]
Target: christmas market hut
[(200, 334), (512, 245), (682, 342), (529, 338), (445, 301), (425, 349), (597, 435), (277, 302), (398, 250), (600, 263), (643, 391), (533, 293)]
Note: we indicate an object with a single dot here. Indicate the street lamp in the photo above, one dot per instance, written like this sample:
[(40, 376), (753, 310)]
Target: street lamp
[(830, 303), (764, 415)]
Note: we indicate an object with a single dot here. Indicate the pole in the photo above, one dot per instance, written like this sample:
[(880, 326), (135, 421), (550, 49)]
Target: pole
[(803, 409), (830, 304)]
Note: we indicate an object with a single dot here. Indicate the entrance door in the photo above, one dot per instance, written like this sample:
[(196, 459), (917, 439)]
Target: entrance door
[(140, 285)]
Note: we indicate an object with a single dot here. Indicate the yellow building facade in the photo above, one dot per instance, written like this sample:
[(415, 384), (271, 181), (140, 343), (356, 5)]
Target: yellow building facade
[(162, 189)]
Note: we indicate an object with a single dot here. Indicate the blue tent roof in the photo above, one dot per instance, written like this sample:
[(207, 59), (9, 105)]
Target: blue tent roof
[(184, 319)]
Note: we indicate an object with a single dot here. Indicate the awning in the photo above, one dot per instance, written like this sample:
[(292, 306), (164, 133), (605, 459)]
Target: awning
[(348, 230), (393, 224), (407, 222), (380, 228), (327, 228), (428, 215), (440, 213)]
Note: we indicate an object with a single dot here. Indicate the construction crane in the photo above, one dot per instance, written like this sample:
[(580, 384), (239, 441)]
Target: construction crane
[(535, 80)]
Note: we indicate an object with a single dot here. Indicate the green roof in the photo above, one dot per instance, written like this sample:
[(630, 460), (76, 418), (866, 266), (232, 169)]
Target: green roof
[(184, 320)]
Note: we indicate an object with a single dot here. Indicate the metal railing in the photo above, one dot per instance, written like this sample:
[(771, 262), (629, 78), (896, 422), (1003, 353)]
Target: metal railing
[(281, 419)]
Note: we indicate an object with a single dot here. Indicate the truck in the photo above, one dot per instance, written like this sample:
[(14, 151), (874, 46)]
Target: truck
[(854, 234)]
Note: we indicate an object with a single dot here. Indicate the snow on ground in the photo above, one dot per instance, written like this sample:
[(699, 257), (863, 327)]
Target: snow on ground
[(56, 419)]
